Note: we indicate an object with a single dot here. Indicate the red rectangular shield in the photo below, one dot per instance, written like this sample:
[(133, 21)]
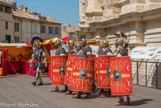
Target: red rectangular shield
[(58, 69), (82, 76), (69, 69), (91, 56), (121, 76), (103, 71), (95, 67)]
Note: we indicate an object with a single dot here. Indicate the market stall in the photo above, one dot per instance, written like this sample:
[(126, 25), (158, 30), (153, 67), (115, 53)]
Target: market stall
[(17, 58)]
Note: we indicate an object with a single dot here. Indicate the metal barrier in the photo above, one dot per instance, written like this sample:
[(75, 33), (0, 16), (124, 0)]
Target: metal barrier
[(146, 71)]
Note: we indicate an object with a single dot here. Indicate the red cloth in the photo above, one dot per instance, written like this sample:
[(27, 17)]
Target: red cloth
[(66, 39), (19, 67), (14, 66), (28, 44), (26, 69)]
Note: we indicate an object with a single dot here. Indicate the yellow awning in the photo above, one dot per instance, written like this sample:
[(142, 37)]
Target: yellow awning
[(52, 40)]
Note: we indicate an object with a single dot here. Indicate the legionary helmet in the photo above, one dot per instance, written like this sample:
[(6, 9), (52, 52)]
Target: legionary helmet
[(84, 42), (36, 41), (71, 43), (120, 34), (105, 43), (78, 45), (119, 42), (58, 42)]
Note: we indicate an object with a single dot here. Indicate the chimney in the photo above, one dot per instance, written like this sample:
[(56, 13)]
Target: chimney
[(14, 5), (21, 7), (26, 9), (69, 25)]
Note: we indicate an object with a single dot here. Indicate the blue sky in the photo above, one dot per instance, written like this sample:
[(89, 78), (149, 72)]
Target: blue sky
[(59, 10)]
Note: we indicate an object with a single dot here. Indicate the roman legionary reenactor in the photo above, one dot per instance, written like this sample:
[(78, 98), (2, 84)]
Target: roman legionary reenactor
[(105, 50), (59, 67), (121, 75), (83, 73), (68, 74), (87, 49), (103, 68), (72, 49), (37, 59), (121, 44)]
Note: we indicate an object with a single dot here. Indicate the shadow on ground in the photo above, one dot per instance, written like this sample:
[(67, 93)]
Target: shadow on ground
[(138, 102)]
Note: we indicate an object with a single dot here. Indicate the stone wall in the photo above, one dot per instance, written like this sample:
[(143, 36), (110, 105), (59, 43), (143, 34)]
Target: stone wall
[(140, 20)]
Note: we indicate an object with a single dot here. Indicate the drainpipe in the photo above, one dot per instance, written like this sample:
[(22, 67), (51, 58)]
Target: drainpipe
[(21, 30), (14, 20)]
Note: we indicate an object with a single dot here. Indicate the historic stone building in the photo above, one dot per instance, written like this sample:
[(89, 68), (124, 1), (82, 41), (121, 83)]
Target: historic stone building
[(139, 19), (6, 21), (20, 24), (71, 32)]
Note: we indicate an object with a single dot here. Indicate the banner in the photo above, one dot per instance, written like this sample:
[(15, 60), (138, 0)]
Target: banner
[(146, 53), (94, 49)]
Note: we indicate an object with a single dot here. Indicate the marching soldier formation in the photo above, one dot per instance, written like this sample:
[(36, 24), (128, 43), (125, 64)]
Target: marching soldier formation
[(80, 71)]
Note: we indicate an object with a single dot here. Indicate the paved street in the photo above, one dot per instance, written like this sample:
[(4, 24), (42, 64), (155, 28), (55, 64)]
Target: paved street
[(18, 91)]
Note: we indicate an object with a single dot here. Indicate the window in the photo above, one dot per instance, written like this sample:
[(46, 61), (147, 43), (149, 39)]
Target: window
[(8, 9), (54, 30), (35, 28), (27, 29), (27, 39), (1, 8), (17, 27), (51, 29), (43, 29), (6, 25), (16, 38), (8, 39), (57, 30)]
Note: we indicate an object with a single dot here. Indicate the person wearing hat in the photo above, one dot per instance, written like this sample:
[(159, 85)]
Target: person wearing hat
[(59, 52), (87, 49), (72, 49), (37, 60), (82, 54), (121, 45), (104, 50)]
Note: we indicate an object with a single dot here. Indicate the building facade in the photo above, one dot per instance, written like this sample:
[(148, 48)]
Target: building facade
[(71, 32), (6, 21), (140, 20), (20, 25)]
